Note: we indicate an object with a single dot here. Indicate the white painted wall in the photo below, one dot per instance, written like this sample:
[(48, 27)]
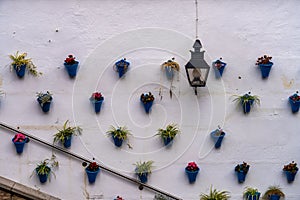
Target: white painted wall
[(148, 33)]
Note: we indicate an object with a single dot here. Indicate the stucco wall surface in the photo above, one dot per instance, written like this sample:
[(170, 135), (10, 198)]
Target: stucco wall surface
[(148, 33)]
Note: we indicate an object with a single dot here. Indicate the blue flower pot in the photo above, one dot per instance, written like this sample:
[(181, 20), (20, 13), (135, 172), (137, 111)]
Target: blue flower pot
[(265, 69), (19, 146), (72, 69), (247, 106), (294, 105), (192, 175), (118, 142), (143, 177), (43, 177), (97, 105), (91, 175), (274, 197), (122, 67), (241, 177), (20, 71), (253, 197), (168, 141), (147, 106), (169, 72), (121, 71), (217, 138), (219, 71), (46, 106), (290, 176), (67, 142)]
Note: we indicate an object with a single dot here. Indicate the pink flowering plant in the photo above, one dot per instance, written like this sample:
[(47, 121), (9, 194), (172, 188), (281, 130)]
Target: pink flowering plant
[(19, 137), (192, 166), (96, 96)]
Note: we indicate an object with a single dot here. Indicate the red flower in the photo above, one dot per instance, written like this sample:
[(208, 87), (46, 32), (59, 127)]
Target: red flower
[(70, 60), (93, 166), (97, 96), (192, 166)]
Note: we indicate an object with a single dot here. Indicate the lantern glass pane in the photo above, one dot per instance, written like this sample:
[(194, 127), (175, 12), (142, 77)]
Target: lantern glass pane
[(197, 76)]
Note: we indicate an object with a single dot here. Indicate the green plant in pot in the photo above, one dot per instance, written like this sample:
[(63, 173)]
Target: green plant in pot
[(247, 100), (65, 134), (169, 133), (20, 63), (215, 194), (43, 169), (44, 99), (251, 193), (143, 169), (273, 193), (119, 134)]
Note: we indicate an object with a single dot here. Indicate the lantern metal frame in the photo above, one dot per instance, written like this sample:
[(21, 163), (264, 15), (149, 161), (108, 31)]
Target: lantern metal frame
[(197, 69)]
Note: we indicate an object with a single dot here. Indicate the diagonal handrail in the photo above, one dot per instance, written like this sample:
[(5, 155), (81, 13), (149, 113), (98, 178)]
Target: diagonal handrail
[(79, 157)]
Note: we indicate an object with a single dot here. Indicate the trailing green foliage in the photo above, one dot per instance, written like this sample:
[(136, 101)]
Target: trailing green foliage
[(19, 60), (215, 195), (249, 192), (66, 132), (273, 190), (119, 132), (44, 97), (143, 167), (45, 166), (170, 132)]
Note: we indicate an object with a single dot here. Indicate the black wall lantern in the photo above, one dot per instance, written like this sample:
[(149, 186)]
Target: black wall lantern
[(197, 69)]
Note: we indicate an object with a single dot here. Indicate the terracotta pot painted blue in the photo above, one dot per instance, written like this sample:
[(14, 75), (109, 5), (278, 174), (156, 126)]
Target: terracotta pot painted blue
[(121, 71), (265, 69), (46, 106), (143, 177), (169, 72), (192, 175), (294, 105), (20, 71), (219, 70), (92, 175), (148, 106), (72, 69), (247, 106), (168, 141), (122, 67), (241, 176), (253, 197), (19, 145), (67, 142), (274, 197), (97, 105), (290, 176), (118, 142), (218, 138), (43, 177)]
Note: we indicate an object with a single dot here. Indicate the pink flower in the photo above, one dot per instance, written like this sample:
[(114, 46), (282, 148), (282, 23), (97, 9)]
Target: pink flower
[(19, 137)]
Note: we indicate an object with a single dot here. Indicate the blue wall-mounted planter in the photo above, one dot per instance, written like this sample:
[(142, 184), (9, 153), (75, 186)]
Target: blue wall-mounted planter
[(72, 69), (265, 69)]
